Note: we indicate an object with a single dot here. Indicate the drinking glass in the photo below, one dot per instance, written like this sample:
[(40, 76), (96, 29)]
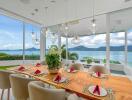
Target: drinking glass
[(104, 79)]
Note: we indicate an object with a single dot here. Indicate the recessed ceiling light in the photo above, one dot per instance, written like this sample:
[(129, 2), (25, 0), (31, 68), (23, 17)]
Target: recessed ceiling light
[(52, 1), (118, 22), (33, 14), (25, 1), (46, 7), (127, 0), (36, 10)]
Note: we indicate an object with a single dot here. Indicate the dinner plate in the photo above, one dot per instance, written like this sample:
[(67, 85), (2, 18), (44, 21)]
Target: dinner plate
[(17, 69), (95, 75), (39, 73), (63, 79), (68, 70), (103, 91)]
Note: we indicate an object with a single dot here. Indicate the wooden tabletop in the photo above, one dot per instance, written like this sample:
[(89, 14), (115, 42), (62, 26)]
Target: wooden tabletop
[(121, 86)]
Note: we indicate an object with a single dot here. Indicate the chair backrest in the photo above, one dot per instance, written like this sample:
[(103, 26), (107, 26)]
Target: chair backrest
[(4, 79), (19, 84), (39, 91), (77, 66), (99, 68)]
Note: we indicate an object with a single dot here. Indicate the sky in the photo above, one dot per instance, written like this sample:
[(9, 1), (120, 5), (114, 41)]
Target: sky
[(11, 36)]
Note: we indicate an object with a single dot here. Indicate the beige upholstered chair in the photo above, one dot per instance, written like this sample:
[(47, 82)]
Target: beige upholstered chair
[(77, 66), (99, 68), (5, 83), (40, 91), (19, 84), (75, 97)]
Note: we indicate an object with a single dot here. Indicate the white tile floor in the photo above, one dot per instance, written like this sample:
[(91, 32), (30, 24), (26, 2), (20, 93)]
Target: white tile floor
[(5, 95)]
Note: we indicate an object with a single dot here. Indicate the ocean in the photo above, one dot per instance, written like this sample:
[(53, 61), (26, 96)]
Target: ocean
[(114, 55)]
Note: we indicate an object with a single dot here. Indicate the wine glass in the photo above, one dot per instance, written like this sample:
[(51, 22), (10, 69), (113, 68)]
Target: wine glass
[(104, 78), (90, 75)]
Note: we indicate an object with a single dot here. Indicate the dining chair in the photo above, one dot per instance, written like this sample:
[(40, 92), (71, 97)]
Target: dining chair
[(99, 68), (77, 66), (40, 91), (19, 84), (5, 83), (75, 97)]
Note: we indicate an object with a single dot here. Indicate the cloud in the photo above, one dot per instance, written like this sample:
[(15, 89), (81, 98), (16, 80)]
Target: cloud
[(11, 46), (6, 34)]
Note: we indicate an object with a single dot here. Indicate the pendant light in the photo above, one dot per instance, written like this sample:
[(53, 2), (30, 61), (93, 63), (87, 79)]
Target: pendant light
[(76, 40), (93, 20)]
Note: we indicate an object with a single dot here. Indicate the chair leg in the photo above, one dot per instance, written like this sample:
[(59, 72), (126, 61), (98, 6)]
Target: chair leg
[(2, 94), (8, 94)]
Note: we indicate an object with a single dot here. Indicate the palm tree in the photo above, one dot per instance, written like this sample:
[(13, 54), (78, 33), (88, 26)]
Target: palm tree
[(71, 56)]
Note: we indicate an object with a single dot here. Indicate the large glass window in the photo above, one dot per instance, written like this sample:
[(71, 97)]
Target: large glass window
[(129, 41), (32, 42), (11, 40), (11, 33), (117, 42), (90, 47)]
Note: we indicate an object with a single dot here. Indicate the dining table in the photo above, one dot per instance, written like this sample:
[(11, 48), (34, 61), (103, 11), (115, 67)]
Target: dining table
[(80, 81)]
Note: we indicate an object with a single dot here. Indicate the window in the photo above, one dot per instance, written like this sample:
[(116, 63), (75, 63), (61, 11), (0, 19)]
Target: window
[(32, 42), (129, 42), (117, 42), (11, 33)]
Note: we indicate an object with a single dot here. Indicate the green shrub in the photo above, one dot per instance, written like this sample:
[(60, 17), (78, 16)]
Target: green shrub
[(4, 56), (112, 61)]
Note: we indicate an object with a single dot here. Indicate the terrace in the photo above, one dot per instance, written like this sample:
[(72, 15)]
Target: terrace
[(89, 32)]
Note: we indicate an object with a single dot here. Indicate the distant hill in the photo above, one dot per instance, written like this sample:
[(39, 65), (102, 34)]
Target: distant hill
[(29, 49), (32, 49), (112, 48), (83, 48)]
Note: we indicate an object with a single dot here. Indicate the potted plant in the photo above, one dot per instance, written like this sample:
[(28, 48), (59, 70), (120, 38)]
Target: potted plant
[(53, 60)]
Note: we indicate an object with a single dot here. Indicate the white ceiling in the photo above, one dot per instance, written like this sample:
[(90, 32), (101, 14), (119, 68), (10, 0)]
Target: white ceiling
[(62, 11)]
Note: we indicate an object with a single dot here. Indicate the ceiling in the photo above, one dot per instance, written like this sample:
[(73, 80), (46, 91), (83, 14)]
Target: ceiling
[(54, 12)]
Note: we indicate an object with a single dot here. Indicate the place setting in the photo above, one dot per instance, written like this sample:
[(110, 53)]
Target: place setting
[(38, 72), (38, 65), (71, 70), (59, 78), (21, 68), (98, 75), (97, 90)]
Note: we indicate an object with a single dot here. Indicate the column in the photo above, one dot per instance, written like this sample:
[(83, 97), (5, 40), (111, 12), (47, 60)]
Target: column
[(42, 44), (108, 42), (126, 58)]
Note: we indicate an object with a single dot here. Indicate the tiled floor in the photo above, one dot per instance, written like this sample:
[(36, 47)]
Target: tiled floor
[(5, 95)]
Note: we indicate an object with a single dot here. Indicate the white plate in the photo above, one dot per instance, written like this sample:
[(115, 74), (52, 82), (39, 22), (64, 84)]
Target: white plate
[(95, 75), (63, 79), (39, 73), (17, 69), (103, 91), (68, 70)]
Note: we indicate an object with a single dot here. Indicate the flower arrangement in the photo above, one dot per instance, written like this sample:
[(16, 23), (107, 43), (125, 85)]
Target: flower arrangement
[(53, 58)]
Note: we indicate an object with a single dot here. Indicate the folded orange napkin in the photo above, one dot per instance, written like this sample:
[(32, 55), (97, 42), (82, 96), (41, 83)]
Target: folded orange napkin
[(37, 72), (72, 69), (21, 68), (38, 65), (57, 78), (96, 90), (98, 74)]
